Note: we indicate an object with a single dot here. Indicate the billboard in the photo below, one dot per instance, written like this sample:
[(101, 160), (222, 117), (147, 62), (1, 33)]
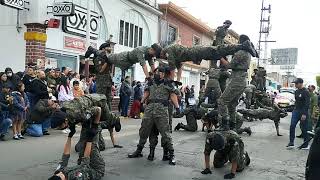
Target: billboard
[(287, 56)]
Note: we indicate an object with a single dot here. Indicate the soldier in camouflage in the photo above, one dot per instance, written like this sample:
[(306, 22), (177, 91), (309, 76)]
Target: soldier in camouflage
[(229, 147), (192, 115), (261, 79), (273, 113), (125, 60), (177, 54), (79, 172), (156, 113), (229, 99), (250, 95), (221, 32)]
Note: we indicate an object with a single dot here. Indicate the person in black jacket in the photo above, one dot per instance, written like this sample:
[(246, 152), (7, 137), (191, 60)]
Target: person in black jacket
[(39, 88), (28, 77), (126, 93), (13, 79), (300, 113)]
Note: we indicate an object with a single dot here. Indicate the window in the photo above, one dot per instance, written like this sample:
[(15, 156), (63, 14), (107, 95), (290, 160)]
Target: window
[(130, 35), (196, 40), (121, 32), (140, 36), (172, 34), (126, 34), (136, 36)]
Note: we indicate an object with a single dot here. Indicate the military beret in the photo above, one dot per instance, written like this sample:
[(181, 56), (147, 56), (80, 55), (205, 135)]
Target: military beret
[(57, 118), (227, 22), (217, 141)]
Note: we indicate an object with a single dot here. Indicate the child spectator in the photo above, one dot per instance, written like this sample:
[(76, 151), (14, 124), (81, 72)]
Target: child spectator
[(5, 103), (20, 107), (77, 91), (65, 93)]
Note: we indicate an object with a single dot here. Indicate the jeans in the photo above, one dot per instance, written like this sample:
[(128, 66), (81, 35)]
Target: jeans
[(36, 130), (296, 117), (125, 104), (5, 125)]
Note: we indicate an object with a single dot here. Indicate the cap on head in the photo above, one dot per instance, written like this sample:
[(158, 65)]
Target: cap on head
[(217, 141), (54, 177), (243, 38), (105, 45), (227, 22), (298, 81), (58, 118)]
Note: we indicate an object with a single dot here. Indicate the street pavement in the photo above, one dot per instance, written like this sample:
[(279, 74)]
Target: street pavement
[(37, 158)]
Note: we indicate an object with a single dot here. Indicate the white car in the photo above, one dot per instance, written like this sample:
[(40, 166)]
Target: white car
[(285, 100)]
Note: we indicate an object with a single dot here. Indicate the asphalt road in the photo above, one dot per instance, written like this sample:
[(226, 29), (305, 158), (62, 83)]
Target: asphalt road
[(37, 158)]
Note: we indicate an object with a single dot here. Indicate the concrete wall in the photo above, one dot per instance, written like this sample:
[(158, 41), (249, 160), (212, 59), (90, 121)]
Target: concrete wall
[(13, 50)]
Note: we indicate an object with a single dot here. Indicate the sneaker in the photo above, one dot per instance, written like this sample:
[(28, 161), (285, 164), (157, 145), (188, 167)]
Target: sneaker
[(15, 137), (305, 148), (300, 136), (66, 131), (46, 133), (20, 136), (290, 146)]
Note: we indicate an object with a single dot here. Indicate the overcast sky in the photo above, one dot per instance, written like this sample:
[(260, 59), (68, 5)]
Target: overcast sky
[(295, 23)]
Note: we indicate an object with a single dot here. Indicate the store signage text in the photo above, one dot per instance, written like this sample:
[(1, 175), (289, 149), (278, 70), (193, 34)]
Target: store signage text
[(74, 43), (77, 24), (18, 4), (63, 9)]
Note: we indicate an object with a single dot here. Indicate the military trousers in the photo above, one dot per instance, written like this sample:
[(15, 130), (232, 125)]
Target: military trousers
[(156, 115), (228, 101)]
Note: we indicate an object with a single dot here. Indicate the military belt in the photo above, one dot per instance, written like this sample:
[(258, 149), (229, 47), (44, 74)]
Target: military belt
[(159, 101)]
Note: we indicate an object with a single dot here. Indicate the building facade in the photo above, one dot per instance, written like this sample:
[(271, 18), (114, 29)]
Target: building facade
[(34, 34)]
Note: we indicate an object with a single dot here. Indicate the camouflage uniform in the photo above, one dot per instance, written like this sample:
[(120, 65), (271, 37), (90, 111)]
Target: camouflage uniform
[(156, 113), (125, 60), (192, 115), (273, 113), (233, 150), (229, 98), (103, 79), (220, 33), (213, 90), (177, 54), (261, 79), (224, 76), (250, 92), (84, 110), (82, 171)]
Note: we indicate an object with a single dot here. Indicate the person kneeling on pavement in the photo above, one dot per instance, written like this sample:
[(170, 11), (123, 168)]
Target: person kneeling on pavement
[(229, 147), (39, 120), (84, 170)]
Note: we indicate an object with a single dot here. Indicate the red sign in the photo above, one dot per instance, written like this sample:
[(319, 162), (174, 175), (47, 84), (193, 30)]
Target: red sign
[(74, 43)]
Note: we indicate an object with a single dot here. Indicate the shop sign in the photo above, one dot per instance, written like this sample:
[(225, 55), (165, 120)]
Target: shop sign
[(77, 24), (77, 44), (18, 4), (51, 63), (63, 9)]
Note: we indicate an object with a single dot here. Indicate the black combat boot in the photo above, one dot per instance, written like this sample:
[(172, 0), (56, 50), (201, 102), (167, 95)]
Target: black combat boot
[(137, 153), (249, 47), (151, 155), (247, 159), (177, 128), (172, 160), (224, 125), (248, 130), (232, 126), (165, 155), (90, 51)]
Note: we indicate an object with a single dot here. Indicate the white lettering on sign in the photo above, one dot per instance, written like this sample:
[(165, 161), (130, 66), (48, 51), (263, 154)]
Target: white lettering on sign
[(63, 9), (77, 24), (18, 4)]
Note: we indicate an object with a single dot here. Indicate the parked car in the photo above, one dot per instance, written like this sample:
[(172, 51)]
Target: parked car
[(285, 100)]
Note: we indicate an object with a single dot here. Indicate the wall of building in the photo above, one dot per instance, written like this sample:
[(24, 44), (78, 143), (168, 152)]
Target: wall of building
[(13, 51)]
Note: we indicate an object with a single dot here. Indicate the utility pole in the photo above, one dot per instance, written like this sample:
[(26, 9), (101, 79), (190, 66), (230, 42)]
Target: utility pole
[(264, 31)]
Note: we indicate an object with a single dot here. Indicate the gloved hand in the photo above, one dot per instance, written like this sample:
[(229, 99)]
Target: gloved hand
[(91, 133), (72, 128), (117, 146), (206, 171), (229, 176)]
